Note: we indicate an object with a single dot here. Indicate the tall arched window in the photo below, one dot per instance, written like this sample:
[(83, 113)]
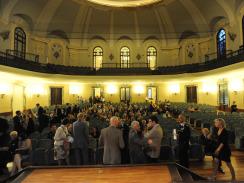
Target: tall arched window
[(221, 44), (243, 30), (97, 57), (124, 57), (19, 42), (152, 57)]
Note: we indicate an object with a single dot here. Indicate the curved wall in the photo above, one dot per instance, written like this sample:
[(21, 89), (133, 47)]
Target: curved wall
[(36, 86)]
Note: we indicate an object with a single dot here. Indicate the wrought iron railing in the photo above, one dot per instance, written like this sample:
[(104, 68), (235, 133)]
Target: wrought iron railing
[(22, 55), (125, 66), (31, 62), (214, 56)]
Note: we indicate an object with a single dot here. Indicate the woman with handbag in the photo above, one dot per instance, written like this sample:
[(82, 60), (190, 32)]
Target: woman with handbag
[(62, 140)]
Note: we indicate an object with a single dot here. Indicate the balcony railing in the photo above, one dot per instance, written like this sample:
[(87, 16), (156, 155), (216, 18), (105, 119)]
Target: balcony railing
[(13, 59), (22, 55), (125, 66), (214, 56)]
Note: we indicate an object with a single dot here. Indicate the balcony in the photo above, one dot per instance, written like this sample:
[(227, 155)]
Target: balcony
[(31, 62)]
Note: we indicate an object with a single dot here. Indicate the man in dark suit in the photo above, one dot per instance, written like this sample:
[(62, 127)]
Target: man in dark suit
[(112, 140), (18, 123), (184, 134), (43, 119), (125, 159), (81, 139)]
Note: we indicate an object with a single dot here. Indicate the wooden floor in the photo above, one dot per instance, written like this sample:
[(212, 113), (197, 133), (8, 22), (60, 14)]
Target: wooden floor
[(144, 174), (205, 168)]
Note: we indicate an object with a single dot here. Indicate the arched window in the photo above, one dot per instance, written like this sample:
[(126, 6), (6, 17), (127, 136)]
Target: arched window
[(97, 57), (124, 57), (19, 42), (221, 44), (152, 57)]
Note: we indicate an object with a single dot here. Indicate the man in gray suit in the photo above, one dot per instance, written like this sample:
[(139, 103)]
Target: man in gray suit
[(112, 140), (156, 135), (81, 138)]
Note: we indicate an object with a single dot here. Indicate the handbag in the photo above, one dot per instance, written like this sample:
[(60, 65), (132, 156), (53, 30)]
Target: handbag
[(66, 145)]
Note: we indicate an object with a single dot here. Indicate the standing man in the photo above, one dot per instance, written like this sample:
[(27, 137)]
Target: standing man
[(18, 123), (81, 139), (154, 135), (112, 140), (137, 142), (184, 134)]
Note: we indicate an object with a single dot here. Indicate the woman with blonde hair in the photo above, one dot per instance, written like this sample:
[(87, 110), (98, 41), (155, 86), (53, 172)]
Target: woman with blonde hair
[(223, 151)]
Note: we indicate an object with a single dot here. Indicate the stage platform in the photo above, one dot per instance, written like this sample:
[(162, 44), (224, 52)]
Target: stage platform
[(156, 173)]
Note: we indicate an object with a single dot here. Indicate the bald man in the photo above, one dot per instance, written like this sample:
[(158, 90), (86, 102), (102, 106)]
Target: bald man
[(111, 139)]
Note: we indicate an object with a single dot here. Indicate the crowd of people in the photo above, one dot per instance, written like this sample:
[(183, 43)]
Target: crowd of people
[(128, 133)]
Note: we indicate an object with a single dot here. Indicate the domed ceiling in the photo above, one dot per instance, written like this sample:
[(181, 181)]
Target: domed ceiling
[(115, 19)]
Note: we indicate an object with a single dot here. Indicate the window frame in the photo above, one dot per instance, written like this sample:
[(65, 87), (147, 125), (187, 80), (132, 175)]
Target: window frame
[(126, 56), (95, 55), (221, 42), (19, 42), (153, 55)]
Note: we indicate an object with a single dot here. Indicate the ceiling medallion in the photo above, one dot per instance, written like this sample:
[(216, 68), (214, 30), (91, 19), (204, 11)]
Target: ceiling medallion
[(124, 3)]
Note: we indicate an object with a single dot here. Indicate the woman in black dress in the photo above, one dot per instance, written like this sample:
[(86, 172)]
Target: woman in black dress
[(223, 151)]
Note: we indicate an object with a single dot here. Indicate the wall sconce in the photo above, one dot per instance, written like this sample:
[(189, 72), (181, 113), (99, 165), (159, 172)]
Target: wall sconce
[(236, 86), (4, 90), (111, 89), (74, 90), (35, 90), (139, 89), (209, 87), (174, 89)]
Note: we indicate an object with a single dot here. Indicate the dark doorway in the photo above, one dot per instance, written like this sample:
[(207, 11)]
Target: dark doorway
[(191, 94), (56, 96)]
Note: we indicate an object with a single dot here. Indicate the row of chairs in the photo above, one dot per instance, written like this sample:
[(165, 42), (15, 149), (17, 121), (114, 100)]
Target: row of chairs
[(43, 153)]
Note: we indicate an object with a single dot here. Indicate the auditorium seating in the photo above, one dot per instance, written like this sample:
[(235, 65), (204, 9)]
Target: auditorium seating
[(42, 147)]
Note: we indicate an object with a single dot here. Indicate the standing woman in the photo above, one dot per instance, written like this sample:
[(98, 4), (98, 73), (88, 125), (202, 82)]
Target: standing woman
[(61, 143), (223, 151)]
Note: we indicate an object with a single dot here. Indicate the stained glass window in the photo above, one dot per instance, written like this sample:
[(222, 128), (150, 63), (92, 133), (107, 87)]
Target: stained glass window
[(221, 44)]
